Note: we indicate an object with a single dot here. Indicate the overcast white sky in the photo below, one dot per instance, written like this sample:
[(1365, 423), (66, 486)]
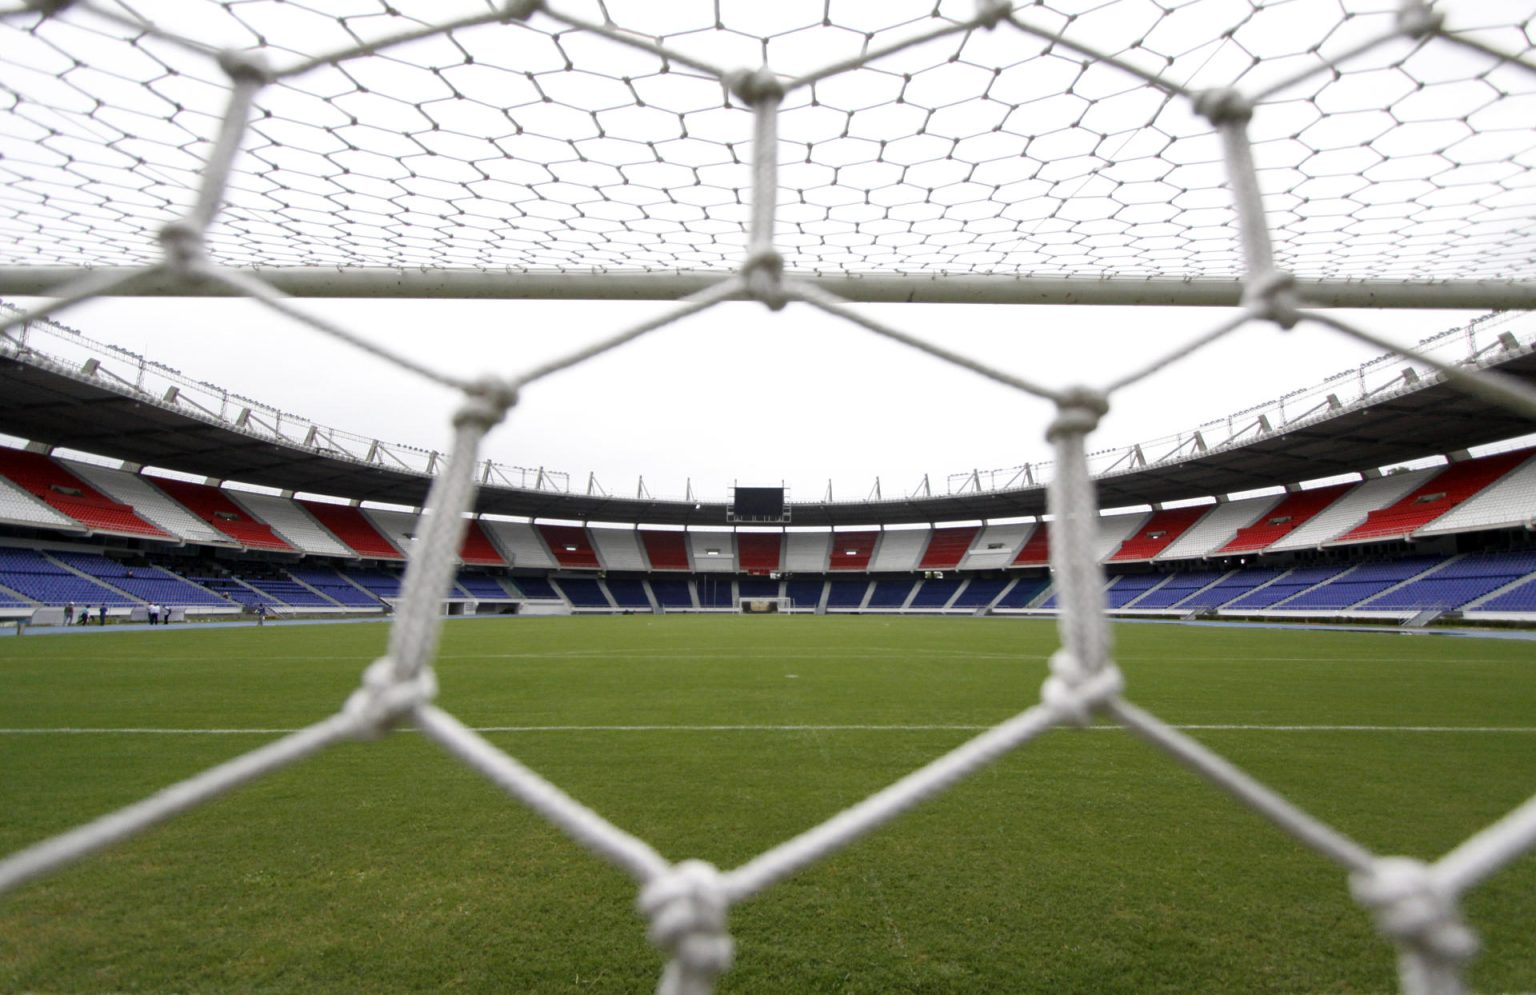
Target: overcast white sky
[(739, 394)]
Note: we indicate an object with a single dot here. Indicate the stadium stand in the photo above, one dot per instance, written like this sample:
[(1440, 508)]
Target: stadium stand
[(629, 593), (712, 552), (36, 576), (1179, 586), (151, 504), (1286, 586), (351, 527), (995, 546), (537, 589), (571, 546), (1024, 591), (1036, 550), (213, 506), (1294, 510), (399, 528), (935, 594), (523, 546), (617, 548), (1434, 497), (673, 593), (1156, 533), (805, 593), (380, 583), (715, 592), (757, 587), (1232, 587), (853, 550), (846, 593), (72, 496), (481, 587), (889, 593), (807, 552), (1456, 582), (477, 548), (979, 593), (947, 547), (760, 552), (1360, 583), (1218, 527), (898, 549), (291, 522), (1519, 597), (1124, 589), (666, 550), (334, 586), (1509, 502), (143, 582), (1349, 510), (583, 593), (17, 507)]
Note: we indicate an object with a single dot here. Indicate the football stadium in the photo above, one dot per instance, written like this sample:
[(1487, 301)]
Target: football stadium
[(295, 706)]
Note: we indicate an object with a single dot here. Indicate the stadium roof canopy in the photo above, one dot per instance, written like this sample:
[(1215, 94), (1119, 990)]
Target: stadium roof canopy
[(77, 409)]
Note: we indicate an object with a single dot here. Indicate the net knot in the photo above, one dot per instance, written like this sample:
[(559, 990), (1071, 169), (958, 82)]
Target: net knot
[(1078, 411), (1417, 20), (385, 697), (245, 66), (521, 10), (686, 909), (485, 403), (183, 247), (764, 273), (1223, 105), (1075, 689), (990, 13), (1413, 909), (754, 86), (1272, 296)]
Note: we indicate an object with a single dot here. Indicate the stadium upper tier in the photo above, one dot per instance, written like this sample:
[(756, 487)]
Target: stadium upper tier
[(62, 390)]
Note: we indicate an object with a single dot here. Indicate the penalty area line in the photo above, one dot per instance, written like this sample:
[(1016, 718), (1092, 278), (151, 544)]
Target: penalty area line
[(850, 727)]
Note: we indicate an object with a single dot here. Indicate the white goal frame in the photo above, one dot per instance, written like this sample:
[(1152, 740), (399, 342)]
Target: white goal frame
[(781, 605), (1224, 188)]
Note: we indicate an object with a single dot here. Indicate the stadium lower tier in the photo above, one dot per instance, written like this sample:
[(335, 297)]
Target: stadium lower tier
[(46, 582)]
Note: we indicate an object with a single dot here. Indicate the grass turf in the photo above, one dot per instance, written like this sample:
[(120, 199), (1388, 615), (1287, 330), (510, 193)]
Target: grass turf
[(1083, 862)]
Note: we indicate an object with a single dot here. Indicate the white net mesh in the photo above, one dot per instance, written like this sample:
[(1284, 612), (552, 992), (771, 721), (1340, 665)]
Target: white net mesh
[(1291, 153)]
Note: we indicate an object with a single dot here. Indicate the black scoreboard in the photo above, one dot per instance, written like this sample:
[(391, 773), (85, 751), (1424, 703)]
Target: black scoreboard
[(758, 504)]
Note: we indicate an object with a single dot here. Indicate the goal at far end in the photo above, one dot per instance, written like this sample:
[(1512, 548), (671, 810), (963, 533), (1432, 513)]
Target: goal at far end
[(764, 606)]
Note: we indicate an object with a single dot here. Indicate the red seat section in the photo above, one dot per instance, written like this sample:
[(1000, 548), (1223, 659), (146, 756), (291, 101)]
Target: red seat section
[(759, 552), (352, 527), (570, 545), (66, 493), (666, 550), (1442, 492), (948, 547), (477, 549), (1284, 518), (1037, 551), (1158, 533), (214, 507), (852, 550)]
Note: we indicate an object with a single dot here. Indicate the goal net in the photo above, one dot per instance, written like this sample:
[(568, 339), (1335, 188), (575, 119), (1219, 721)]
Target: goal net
[(1276, 158), (764, 606)]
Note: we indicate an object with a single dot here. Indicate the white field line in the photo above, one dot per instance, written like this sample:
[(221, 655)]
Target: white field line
[(1227, 727)]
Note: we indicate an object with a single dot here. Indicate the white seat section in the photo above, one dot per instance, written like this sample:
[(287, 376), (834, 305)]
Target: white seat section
[(17, 507), (520, 542), (1507, 503), (1351, 509), (1218, 527), (150, 503), (996, 546), (712, 552), (1114, 530), (400, 527), (292, 523), (899, 550), (618, 549), (807, 552)]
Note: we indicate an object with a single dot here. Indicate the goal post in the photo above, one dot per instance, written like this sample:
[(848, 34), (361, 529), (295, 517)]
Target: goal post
[(777, 605)]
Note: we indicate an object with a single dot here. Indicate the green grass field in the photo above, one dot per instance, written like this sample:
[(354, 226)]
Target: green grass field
[(1083, 862)]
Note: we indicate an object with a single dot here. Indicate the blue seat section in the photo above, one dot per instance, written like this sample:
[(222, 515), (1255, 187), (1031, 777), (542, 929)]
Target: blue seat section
[(583, 592), (846, 592), (1127, 588), (757, 587), (289, 592), (1232, 587), (482, 586), (1458, 582), (629, 592), (1022, 593), (1292, 583), (146, 583), (536, 589), (804, 593), (1516, 599), (935, 592), (890, 593), (35, 577), (232, 590), (715, 591), (1362, 583), (381, 583), (1179, 587), (980, 592), (672, 592), (331, 584)]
